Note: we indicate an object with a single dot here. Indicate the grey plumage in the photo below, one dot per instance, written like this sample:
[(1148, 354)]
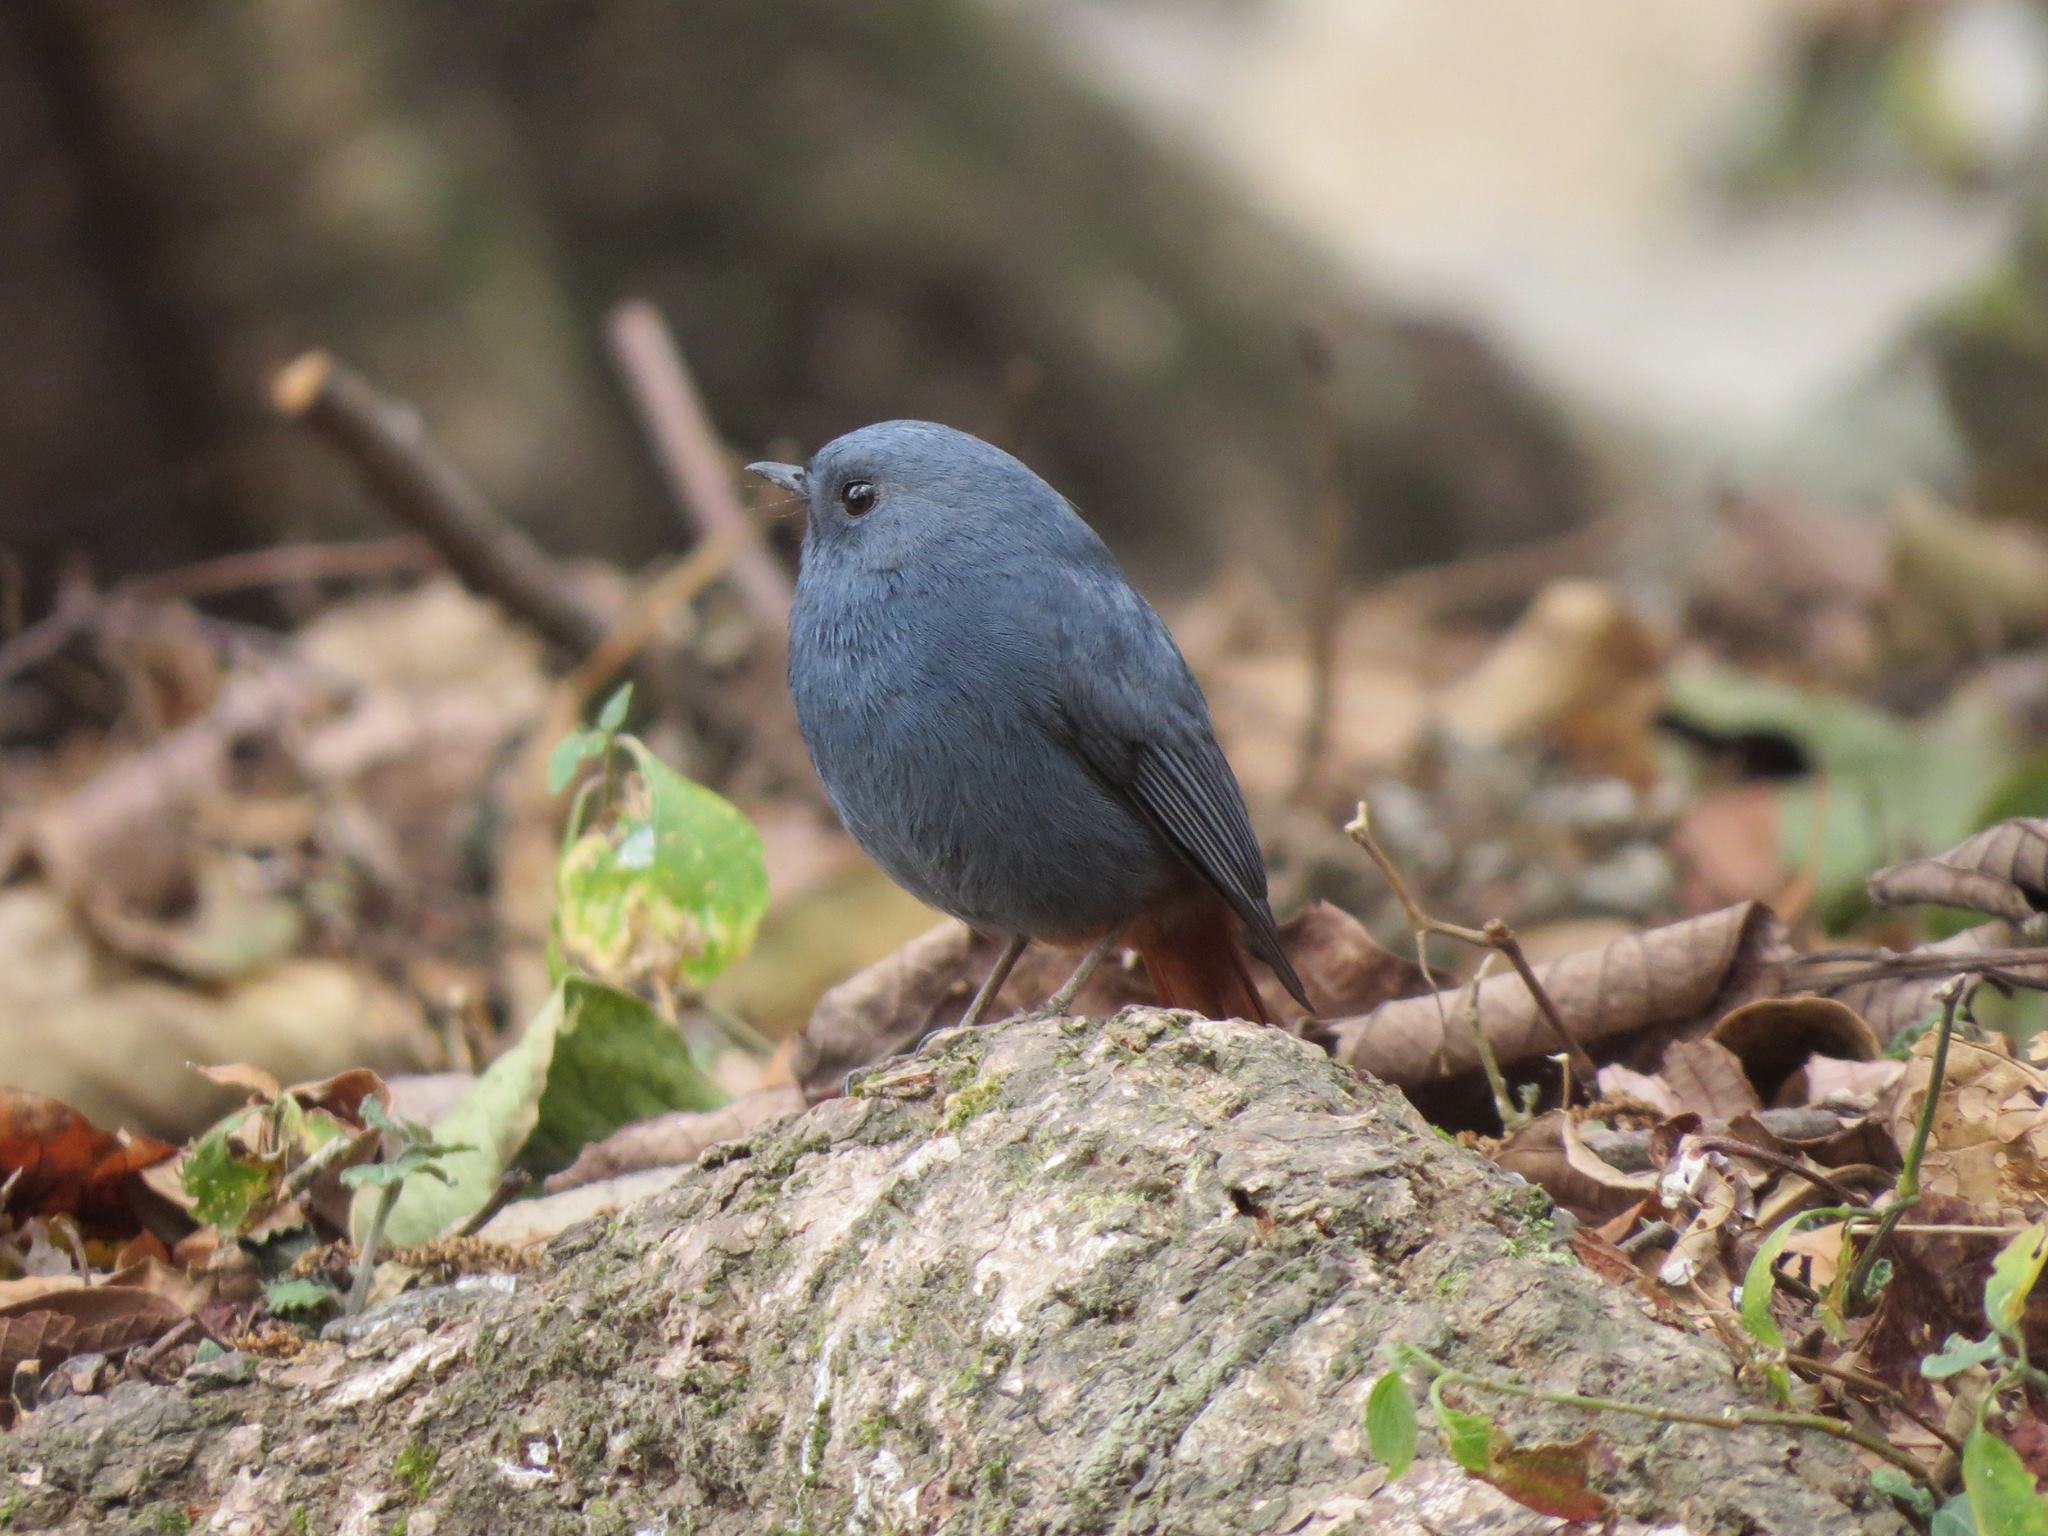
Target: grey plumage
[(998, 717)]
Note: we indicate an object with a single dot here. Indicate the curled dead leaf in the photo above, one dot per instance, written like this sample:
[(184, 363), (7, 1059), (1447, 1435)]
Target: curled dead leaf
[(1550, 1153), (2003, 870), (1774, 1037), (1665, 978)]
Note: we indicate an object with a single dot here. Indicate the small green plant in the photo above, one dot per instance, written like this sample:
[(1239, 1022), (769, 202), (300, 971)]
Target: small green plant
[(418, 1153)]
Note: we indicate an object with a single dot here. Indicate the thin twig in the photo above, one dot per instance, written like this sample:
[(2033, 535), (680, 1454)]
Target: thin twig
[(511, 1183), (702, 566), (1735, 1145), (142, 1361), (1511, 1116), (324, 1157), (1496, 935), (2008, 967), (692, 459), (1327, 520), (1875, 1388), (278, 565), (385, 444)]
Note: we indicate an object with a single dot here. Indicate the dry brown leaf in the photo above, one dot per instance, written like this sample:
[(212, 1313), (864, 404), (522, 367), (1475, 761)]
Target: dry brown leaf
[(232, 923), (1936, 1288), (2003, 870), (1579, 670), (1549, 1153), (1812, 1254), (62, 1161), (1666, 978), (1773, 1037), (252, 1080), (535, 1221), (123, 840), (98, 1319), (187, 1292), (1706, 1078), (1824, 1078), (1343, 969), (1718, 1195), (29, 1287), (1619, 1082), (884, 1009), (1989, 1143), (673, 1140), (1783, 578)]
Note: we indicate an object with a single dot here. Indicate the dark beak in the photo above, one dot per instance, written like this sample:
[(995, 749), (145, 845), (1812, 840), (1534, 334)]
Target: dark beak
[(790, 477)]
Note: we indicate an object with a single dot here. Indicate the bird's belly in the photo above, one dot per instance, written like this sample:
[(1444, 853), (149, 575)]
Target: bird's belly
[(992, 821)]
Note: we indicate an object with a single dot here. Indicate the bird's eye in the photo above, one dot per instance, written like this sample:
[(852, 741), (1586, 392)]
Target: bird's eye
[(857, 496)]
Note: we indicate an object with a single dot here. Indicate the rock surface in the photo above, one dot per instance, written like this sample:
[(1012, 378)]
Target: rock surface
[(1050, 1276)]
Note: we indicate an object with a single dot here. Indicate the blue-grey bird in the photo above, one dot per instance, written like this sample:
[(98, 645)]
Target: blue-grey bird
[(1008, 728)]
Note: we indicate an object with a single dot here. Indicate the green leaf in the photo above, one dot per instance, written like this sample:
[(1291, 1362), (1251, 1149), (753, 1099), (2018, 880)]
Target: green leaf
[(1468, 1437), (1895, 1484), (224, 1187), (1953, 1518), (289, 1297), (593, 1059), (569, 755), (1390, 1424), (1760, 1281), (2013, 1274), (2000, 1488), (613, 714), (423, 1159), (1958, 1355), (671, 888)]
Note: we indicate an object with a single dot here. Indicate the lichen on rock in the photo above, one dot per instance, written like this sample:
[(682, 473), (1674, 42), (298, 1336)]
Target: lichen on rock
[(1132, 1275)]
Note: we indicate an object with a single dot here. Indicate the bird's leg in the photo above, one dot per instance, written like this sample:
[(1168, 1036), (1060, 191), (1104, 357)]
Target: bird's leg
[(1063, 999), (994, 984)]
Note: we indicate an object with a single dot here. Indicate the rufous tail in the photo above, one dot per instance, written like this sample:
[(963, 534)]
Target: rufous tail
[(1197, 961)]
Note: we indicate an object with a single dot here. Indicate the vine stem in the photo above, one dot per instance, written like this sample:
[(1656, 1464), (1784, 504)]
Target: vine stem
[(1906, 1194), (373, 1239), (1728, 1418)]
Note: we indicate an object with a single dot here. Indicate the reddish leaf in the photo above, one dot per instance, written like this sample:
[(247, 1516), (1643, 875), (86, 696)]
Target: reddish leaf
[(1552, 1479), (66, 1163)]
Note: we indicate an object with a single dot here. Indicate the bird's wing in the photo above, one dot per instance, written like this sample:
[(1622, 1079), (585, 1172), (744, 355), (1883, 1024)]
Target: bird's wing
[(1129, 707)]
